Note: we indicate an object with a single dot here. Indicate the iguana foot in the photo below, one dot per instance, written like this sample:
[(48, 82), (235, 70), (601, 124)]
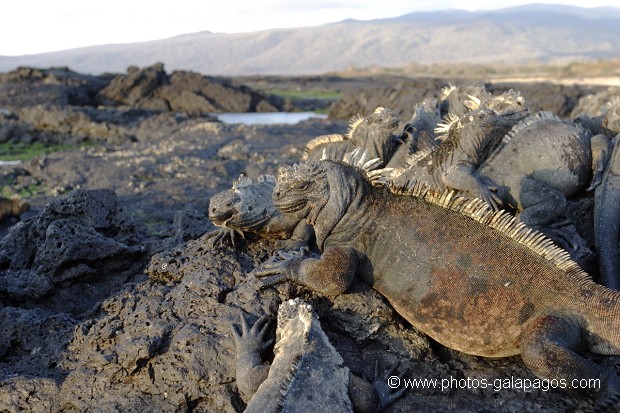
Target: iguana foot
[(387, 394), (222, 235), (281, 267), (250, 344), (252, 339), (489, 195)]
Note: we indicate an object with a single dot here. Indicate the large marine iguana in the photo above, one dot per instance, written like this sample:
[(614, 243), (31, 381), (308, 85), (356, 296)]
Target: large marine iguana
[(475, 280), (307, 373)]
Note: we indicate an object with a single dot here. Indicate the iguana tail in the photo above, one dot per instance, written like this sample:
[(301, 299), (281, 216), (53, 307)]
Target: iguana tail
[(607, 221)]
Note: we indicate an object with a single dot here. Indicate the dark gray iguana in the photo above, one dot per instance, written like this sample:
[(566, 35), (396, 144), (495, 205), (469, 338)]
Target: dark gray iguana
[(475, 280), (373, 134), (468, 142), (459, 100), (607, 220), (307, 374), (247, 208), (418, 135), (539, 164)]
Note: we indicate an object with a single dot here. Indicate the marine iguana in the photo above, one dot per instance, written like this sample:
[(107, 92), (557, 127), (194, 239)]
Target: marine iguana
[(247, 208), (607, 220), (468, 141), (459, 100), (474, 279), (307, 373), (418, 135), (373, 134)]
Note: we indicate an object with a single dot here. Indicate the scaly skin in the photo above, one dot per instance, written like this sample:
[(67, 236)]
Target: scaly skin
[(474, 280), (418, 135), (536, 181)]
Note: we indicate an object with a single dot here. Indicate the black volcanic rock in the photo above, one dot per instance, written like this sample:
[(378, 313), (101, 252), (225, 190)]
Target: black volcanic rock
[(187, 92), (71, 238), (27, 86), (59, 106)]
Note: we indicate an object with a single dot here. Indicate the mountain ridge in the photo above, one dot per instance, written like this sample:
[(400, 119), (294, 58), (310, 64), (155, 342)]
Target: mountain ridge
[(536, 32)]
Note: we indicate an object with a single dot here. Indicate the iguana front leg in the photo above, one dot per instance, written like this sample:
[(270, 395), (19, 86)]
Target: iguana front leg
[(462, 178), (330, 275), (250, 344)]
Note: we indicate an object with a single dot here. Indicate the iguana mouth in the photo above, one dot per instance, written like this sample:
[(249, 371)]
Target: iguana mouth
[(219, 218), (288, 207)]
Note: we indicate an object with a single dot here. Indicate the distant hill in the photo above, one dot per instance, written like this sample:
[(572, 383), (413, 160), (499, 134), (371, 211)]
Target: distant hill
[(536, 32)]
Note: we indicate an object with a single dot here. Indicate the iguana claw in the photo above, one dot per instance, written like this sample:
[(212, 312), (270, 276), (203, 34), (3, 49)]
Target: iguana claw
[(281, 267), (220, 235)]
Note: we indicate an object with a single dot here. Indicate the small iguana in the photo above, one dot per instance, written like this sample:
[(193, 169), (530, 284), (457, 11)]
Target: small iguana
[(418, 135), (475, 280), (459, 100), (373, 134), (307, 374), (247, 208), (467, 143)]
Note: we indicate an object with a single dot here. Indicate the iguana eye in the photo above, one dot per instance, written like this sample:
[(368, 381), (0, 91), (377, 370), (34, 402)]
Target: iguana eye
[(302, 186)]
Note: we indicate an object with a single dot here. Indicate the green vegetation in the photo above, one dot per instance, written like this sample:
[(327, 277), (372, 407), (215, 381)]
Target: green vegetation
[(314, 100), (8, 187), (329, 95), (21, 151)]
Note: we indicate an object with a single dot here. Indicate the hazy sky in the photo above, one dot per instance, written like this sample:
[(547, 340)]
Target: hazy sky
[(37, 26)]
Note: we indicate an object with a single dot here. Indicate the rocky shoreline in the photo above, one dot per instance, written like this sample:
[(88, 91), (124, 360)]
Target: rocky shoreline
[(111, 299)]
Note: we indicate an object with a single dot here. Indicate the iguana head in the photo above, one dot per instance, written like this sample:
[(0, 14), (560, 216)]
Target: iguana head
[(458, 100), (243, 206), (375, 133), (321, 191), (302, 188)]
